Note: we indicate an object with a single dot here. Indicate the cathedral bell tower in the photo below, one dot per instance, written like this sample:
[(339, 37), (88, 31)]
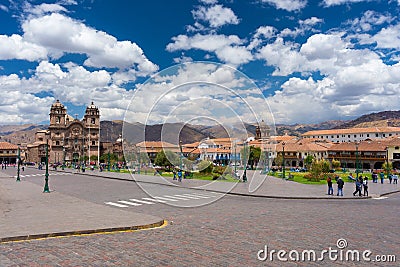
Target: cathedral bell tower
[(57, 114)]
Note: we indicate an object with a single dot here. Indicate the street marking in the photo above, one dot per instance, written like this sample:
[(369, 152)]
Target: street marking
[(129, 203), (155, 200), (116, 204), (141, 201), (378, 198), (167, 199), (179, 198), (188, 196), (198, 195)]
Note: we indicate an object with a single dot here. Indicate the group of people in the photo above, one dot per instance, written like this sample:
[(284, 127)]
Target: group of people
[(179, 174), (361, 183), (392, 177), (340, 185)]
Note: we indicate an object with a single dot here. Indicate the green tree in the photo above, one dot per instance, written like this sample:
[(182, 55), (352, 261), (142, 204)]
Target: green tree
[(387, 167), (205, 167), (308, 161), (167, 159), (335, 164)]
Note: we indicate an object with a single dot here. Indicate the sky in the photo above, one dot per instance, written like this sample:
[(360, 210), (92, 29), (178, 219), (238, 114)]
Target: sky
[(312, 61)]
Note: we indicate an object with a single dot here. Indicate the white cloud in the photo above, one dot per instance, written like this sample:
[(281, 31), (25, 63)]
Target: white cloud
[(289, 5), (209, 1), (216, 15), (388, 37), (15, 47), (369, 20), (226, 48), (42, 9), (329, 3), (61, 34), (4, 8), (311, 21)]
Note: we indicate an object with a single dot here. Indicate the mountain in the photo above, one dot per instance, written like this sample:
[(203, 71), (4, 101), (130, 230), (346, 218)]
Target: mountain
[(187, 133), (379, 119)]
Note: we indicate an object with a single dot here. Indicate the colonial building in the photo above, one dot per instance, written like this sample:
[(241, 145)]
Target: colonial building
[(353, 134), (8, 153), (68, 139)]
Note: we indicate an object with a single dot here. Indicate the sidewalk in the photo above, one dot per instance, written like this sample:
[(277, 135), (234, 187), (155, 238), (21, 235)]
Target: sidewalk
[(25, 214), (257, 186)]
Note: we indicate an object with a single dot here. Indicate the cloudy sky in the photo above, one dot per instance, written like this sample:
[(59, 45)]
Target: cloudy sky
[(312, 60)]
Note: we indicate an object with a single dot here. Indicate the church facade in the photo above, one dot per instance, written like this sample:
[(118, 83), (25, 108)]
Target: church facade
[(69, 140)]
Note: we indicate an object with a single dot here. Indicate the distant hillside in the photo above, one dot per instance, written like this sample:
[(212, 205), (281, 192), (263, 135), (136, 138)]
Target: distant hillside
[(173, 132), (379, 119)]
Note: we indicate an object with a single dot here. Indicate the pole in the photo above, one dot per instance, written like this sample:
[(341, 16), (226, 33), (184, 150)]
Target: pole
[(19, 162), (357, 161), (235, 158), (387, 162), (245, 162), (46, 179), (268, 160), (108, 165), (180, 156), (283, 163), (138, 159)]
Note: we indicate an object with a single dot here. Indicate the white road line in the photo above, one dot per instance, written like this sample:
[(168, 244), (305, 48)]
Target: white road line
[(141, 201), (196, 195), (378, 198), (188, 196), (27, 175), (116, 204), (155, 200), (179, 198), (167, 199), (129, 203)]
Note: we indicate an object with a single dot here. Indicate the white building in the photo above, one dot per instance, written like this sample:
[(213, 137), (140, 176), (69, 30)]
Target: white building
[(353, 134)]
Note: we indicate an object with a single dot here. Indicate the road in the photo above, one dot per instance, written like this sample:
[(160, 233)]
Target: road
[(229, 231)]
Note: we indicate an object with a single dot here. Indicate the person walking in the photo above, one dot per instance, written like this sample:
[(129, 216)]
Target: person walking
[(330, 187), (340, 184), (395, 178), (358, 187), (390, 178), (174, 173), (180, 175), (382, 175), (374, 177), (365, 186)]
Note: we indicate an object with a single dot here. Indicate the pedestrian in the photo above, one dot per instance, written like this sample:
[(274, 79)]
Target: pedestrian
[(390, 178), (365, 186), (330, 188), (374, 177), (174, 173), (395, 178), (180, 175), (340, 184), (358, 187), (382, 175)]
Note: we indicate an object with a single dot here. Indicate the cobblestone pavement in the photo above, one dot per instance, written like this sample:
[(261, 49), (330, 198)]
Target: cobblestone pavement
[(229, 232)]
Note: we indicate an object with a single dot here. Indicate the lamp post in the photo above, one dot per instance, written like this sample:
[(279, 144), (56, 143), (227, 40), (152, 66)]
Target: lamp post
[(19, 164), (180, 156), (283, 160), (108, 165), (235, 157), (46, 179), (387, 162), (245, 161), (138, 159), (268, 151), (357, 160), (63, 165)]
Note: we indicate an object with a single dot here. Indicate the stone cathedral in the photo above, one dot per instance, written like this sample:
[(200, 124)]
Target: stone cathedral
[(69, 139)]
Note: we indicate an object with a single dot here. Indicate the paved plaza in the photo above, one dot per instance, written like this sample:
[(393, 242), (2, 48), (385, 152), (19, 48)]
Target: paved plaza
[(227, 232)]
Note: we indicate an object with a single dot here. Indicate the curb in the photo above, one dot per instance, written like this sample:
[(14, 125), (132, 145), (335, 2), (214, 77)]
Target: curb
[(237, 194), (159, 224)]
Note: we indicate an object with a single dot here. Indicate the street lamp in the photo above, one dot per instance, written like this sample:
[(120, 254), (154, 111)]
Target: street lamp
[(46, 179), (63, 165), (19, 164), (268, 151), (181, 155), (245, 161), (283, 160), (138, 159), (357, 160), (235, 157), (387, 162)]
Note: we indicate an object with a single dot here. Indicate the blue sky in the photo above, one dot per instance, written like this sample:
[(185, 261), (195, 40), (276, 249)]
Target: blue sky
[(312, 60)]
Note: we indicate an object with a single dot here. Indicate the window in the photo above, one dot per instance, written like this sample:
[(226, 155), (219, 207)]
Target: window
[(396, 147), (384, 135), (376, 135), (93, 143), (57, 143), (348, 136), (93, 120), (57, 119), (367, 135), (355, 136)]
